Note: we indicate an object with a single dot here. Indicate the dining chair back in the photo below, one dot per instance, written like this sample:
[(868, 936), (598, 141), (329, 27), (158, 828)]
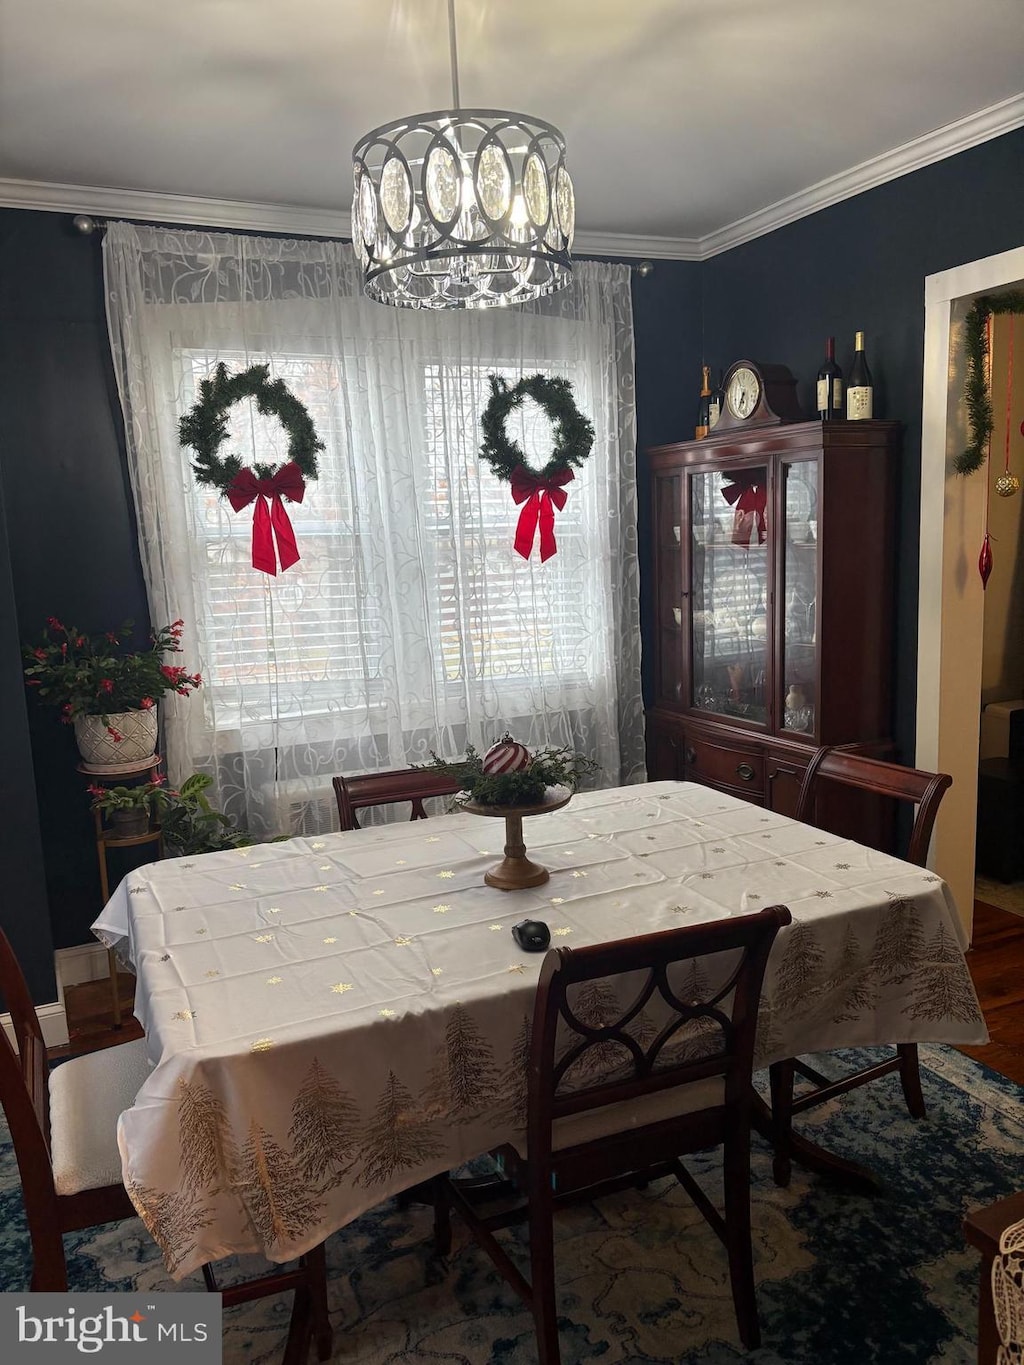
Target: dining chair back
[(63, 1124), (641, 1051), (389, 788), (832, 767)]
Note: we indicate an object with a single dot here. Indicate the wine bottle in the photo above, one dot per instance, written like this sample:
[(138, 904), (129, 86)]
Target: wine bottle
[(830, 385), (704, 408), (859, 390), (716, 403)]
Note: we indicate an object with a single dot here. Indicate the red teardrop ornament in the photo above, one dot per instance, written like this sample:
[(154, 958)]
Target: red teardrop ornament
[(985, 561)]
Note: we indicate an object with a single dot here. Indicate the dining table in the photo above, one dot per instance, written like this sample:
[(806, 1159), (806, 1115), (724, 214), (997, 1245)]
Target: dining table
[(333, 1020)]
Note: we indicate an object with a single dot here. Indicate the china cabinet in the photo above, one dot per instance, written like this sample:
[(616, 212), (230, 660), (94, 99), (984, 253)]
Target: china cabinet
[(772, 565)]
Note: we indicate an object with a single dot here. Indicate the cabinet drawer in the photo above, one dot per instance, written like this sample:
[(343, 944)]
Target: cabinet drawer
[(741, 770)]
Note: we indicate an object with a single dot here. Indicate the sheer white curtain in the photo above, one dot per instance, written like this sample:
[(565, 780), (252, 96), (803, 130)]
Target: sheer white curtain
[(409, 624)]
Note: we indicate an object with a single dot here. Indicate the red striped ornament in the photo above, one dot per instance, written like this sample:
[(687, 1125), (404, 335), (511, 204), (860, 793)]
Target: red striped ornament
[(507, 756)]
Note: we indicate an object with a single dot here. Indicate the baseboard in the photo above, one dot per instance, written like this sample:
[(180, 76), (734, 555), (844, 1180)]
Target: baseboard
[(84, 962), (52, 1020)]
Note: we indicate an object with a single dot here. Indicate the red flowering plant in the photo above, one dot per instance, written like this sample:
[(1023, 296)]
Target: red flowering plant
[(102, 675)]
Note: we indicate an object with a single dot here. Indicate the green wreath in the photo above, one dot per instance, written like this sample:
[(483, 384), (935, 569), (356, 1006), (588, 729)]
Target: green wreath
[(574, 433), (976, 394), (205, 427)]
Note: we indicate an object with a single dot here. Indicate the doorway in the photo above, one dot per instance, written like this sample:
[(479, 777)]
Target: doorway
[(951, 609)]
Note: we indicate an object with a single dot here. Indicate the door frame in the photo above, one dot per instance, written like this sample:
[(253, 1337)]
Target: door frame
[(951, 601)]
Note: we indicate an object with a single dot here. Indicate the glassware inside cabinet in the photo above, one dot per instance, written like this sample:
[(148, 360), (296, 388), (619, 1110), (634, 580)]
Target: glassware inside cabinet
[(800, 597), (729, 592)]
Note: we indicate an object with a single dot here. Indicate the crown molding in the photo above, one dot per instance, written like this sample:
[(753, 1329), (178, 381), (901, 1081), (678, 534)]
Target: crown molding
[(942, 142), (297, 220), (291, 219)]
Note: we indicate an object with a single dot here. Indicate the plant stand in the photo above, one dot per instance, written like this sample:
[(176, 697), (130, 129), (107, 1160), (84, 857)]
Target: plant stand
[(106, 838), (516, 872)]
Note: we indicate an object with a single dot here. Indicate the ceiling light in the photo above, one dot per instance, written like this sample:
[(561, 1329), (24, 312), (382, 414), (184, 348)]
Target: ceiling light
[(462, 208)]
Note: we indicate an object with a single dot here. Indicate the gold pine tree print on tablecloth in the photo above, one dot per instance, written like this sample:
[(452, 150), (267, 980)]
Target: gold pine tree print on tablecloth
[(397, 1137), (900, 940), (325, 1129), (852, 989), (596, 1005), (514, 1079), (209, 1153), (943, 988), (698, 1037), (465, 1081), (801, 977), (172, 1219), (274, 1190)]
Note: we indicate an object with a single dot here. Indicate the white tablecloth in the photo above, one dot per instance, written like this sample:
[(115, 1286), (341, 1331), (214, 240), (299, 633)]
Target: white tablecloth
[(332, 1020)]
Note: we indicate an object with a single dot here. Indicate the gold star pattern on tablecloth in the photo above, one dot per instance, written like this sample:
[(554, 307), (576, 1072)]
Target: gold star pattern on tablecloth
[(517, 967), (274, 980), (446, 874), (387, 1014), (319, 844), (561, 932), (402, 942), (261, 1045), (579, 874), (441, 909), (823, 895), (238, 886), (340, 987), (274, 910), (321, 888), (200, 931), (264, 938), (557, 900), (436, 971), (330, 940), (184, 1015), (214, 971), (494, 927)]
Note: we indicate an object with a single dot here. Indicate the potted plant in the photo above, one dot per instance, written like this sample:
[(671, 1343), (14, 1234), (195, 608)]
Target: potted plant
[(106, 688), (129, 808), (191, 824)]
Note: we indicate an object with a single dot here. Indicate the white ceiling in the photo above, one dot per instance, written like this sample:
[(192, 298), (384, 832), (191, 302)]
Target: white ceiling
[(682, 117)]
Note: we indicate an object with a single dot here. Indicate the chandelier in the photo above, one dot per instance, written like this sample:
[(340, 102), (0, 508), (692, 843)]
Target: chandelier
[(462, 208)]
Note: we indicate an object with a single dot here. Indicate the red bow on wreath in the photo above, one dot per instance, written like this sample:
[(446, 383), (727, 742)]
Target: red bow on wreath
[(750, 500), (273, 521), (539, 494)]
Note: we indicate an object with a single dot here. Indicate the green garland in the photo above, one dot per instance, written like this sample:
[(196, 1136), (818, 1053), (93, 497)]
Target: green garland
[(205, 427), (976, 393), (548, 768), (574, 433)]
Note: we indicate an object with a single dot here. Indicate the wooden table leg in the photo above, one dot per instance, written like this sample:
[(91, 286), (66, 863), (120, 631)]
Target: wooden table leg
[(814, 1158)]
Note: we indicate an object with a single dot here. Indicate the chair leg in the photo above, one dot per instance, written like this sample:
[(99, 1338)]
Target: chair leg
[(542, 1275), (323, 1335), (736, 1166), (442, 1216), (910, 1078), (781, 1078)]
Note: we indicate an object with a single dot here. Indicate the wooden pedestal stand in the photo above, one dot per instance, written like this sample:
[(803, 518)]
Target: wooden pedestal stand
[(516, 872), (106, 838)]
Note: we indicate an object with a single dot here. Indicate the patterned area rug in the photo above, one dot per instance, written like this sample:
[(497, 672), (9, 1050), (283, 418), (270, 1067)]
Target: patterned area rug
[(841, 1278), (1003, 895)]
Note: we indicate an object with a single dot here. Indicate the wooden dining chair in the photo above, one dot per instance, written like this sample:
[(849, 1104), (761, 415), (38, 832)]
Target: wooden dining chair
[(617, 1104), (63, 1124), (830, 767), (389, 788)]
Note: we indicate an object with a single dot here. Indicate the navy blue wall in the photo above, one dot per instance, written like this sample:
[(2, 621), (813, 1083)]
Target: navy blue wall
[(67, 534), (861, 265)]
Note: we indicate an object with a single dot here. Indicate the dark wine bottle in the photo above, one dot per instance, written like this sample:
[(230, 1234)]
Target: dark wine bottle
[(830, 385), (704, 408), (859, 390), (716, 403)]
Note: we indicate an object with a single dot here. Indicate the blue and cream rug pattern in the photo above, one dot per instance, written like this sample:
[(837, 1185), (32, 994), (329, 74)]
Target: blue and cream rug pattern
[(843, 1279)]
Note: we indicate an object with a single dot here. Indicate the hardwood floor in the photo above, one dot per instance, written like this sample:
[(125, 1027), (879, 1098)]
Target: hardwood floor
[(996, 961)]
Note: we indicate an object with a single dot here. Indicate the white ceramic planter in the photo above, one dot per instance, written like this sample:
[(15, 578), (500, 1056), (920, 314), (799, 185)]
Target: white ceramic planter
[(99, 748)]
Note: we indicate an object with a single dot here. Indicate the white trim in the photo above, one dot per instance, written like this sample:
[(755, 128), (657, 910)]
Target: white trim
[(310, 221), (878, 170), (83, 962), (52, 1021), (951, 600)]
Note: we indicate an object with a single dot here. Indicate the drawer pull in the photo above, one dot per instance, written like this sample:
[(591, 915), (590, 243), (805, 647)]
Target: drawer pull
[(691, 755), (745, 771)]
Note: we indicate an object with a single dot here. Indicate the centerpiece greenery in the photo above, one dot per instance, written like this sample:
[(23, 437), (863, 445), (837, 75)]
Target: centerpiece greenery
[(103, 675), (548, 767)]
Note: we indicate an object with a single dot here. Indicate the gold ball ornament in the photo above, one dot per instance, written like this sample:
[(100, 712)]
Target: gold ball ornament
[(1007, 485)]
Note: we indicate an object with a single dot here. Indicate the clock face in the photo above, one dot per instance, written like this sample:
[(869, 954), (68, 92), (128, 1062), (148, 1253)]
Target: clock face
[(743, 393)]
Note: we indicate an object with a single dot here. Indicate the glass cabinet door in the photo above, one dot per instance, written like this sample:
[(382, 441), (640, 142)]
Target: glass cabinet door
[(799, 675), (669, 589), (729, 592)]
